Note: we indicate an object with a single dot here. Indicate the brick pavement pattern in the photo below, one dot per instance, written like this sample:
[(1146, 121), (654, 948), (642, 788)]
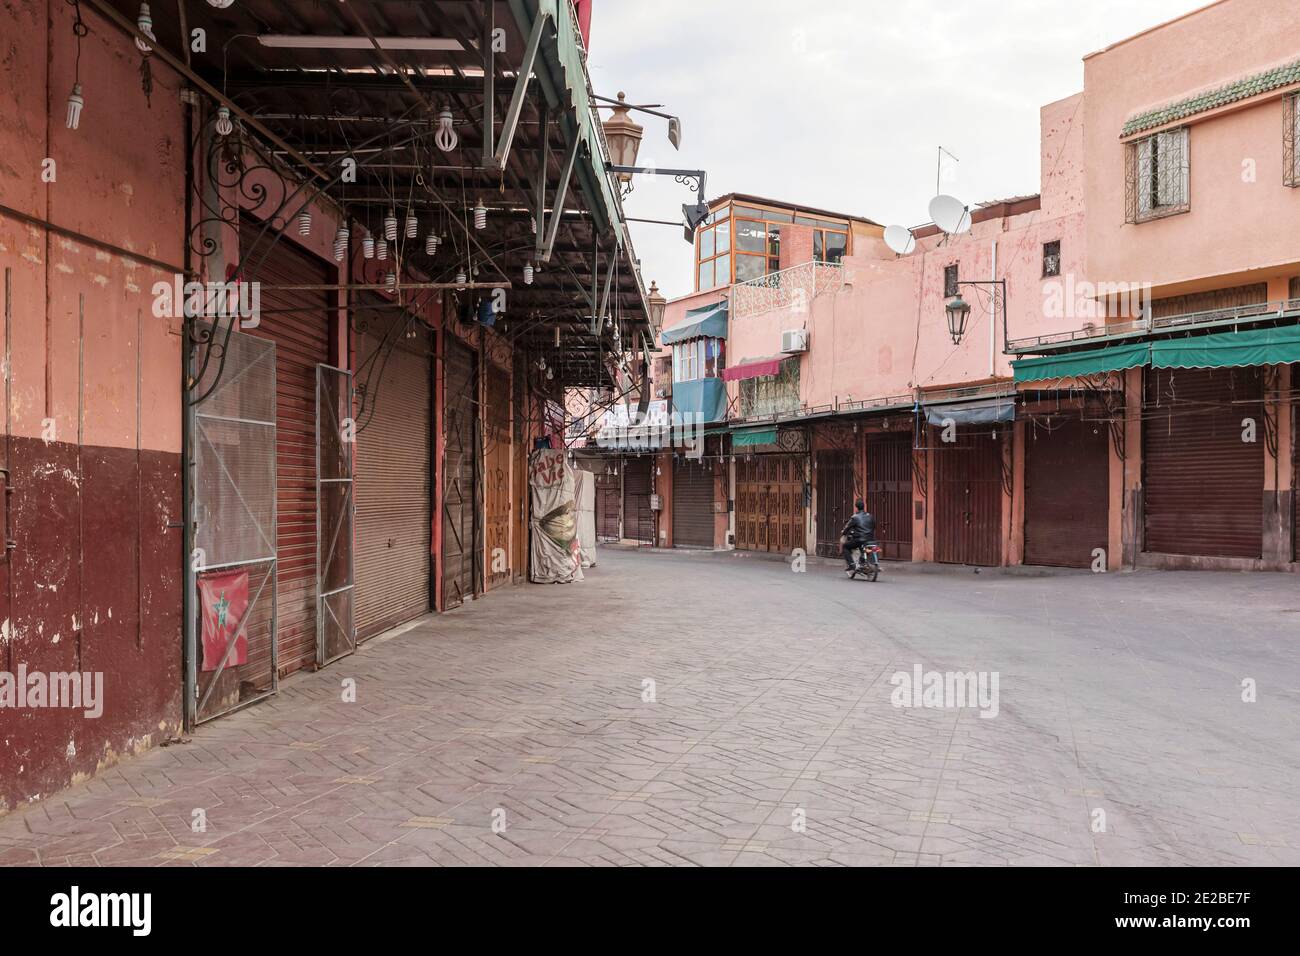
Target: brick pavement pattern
[(514, 731)]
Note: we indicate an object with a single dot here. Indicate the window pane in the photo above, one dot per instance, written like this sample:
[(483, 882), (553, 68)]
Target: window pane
[(705, 278), (724, 237), (722, 270), (774, 241), (706, 243), (749, 267), (819, 246), (837, 244), (750, 236), (773, 265)]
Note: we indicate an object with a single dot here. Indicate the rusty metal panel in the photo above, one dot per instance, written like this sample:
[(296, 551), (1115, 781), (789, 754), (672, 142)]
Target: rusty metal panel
[(638, 485), (968, 497), (889, 492), (1067, 490), (770, 503), (393, 484), (1203, 483), (460, 473), (496, 477), (692, 503), (833, 474)]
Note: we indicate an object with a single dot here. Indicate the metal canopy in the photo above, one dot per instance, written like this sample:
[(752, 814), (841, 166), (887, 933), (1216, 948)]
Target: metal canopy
[(368, 78)]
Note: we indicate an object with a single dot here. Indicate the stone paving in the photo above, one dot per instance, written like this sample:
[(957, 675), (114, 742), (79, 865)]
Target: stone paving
[(516, 731)]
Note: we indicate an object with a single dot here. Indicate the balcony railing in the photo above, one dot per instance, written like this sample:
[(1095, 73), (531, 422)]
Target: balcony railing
[(792, 289), (1106, 331)]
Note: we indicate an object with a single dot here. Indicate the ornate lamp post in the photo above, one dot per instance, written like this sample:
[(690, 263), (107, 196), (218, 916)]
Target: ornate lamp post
[(958, 309)]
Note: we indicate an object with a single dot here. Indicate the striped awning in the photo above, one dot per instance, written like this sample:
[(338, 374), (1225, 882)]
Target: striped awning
[(1110, 359)]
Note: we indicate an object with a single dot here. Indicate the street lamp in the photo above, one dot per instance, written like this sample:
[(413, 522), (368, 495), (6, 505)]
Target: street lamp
[(623, 135), (657, 306), (958, 310)]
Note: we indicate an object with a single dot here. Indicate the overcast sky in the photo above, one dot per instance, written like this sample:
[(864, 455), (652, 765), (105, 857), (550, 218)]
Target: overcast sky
[(841, 104)]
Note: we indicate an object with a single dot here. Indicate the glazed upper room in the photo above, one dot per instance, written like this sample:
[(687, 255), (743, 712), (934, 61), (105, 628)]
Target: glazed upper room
[(1190, 145)]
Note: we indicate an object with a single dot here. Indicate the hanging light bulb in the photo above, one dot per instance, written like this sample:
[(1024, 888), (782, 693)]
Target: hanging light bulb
[(445, 138), (431, 245), (381, 249), (550, 374), (341, 243), (220, 4), (223, 123), (368, 247), (460, 279), (412, 226), (144, 23), (480, 215), (75, 103), (528, 273), (532, 221), (391, 279), (304, 223), (390, 226)]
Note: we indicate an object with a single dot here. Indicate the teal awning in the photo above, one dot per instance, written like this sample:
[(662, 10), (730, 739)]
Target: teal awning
[(1279, 346), (709, 321), (704, 398), (1110, 359), (753, 436)]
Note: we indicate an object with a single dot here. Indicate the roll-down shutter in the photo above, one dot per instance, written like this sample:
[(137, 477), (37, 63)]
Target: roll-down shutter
[(638, 518), (460, 470), (1067, 490), (692, 504)]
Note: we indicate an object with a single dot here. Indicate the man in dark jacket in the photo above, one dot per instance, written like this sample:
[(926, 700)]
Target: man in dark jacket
[(857, 531)]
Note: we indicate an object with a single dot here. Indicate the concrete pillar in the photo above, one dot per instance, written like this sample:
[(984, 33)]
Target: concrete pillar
[(1130, 477), (1014, 503), (1278, 480)]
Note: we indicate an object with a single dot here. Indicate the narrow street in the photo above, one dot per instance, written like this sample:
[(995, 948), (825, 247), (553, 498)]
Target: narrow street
[(514, 731)]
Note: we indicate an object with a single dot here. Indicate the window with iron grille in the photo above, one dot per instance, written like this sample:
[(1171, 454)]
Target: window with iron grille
[(1157, 180), (1051, 258), (1291, 133), (950, 280)]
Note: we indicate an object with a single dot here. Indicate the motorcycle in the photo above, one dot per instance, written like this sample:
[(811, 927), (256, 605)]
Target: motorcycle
[(866, 561)]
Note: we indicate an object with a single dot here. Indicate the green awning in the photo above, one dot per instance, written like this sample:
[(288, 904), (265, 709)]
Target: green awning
[(709, 321), (1279, 346), (1110, 359), (753, 436)]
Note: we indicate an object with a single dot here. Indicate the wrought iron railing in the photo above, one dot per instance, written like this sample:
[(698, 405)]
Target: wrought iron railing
[(792, 289), (1237, 315)]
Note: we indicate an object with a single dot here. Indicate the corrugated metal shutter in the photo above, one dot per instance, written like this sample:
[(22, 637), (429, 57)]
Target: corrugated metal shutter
[(638, 519), (609, 501), (460, 470), (889, 492), (968, 498), (496, 477), (393, 487), (692, 504), (1067, 490), (299, 324), (834, 477), (1203, 485)]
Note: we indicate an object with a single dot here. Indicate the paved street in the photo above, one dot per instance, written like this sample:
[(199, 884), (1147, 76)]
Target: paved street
[(771, 738)]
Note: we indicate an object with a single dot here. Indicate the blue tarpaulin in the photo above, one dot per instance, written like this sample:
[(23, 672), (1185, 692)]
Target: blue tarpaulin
[(703, 397)]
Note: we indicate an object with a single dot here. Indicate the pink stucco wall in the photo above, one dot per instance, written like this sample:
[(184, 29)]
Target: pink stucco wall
[(1240, 228)]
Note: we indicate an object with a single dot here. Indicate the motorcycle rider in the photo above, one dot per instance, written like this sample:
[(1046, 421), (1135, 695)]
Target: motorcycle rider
[(858, 531)]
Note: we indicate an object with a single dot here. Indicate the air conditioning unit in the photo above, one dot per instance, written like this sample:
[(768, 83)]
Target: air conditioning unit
[(794, 340)]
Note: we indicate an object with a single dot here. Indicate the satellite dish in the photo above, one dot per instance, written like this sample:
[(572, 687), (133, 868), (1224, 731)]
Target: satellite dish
[(900, 239), (950, 215)]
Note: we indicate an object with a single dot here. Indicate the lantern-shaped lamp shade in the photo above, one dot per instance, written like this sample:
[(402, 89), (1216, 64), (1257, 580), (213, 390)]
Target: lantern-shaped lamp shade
[(657, 306), (624, 139), (958, 312)]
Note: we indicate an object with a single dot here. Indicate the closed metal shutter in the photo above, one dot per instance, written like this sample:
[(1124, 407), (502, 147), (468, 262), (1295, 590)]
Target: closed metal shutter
[(1067, 490), (968, 498), (460, 470), (393, 487), (299, 323), (496, 478), (889, 492), (1203, 484), (770, 503), (638, 518), (692, 504), (834, 477), (1295, 449), (609, 501)]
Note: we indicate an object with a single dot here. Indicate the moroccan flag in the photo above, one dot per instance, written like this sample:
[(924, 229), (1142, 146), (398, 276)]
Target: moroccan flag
[(223, 596)]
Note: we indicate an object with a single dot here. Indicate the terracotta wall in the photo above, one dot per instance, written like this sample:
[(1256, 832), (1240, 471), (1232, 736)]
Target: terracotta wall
[(92, 425)]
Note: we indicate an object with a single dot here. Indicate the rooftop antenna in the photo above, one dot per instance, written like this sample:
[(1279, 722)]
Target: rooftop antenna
[(938, 171)]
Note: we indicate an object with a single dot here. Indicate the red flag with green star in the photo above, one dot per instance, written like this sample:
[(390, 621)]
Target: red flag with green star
[(224, 599)]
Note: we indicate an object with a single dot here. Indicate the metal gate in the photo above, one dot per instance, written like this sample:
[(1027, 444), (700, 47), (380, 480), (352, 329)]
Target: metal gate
[(1203, 484), (1067, 490), (770, 503), (638, 485), (336, 633), (889, 492), (968, 499), (692, 503), (460, 474), (609, 500), (834, 476), (496, 478), (231, 653)]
